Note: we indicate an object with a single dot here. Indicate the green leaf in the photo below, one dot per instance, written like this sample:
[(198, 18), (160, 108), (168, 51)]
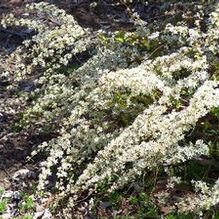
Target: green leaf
[(3, 206)]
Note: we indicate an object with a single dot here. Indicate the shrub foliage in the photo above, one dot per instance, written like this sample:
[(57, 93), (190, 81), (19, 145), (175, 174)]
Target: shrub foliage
[(123, 103)]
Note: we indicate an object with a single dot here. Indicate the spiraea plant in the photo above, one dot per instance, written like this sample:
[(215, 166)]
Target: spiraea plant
[(122, 103)]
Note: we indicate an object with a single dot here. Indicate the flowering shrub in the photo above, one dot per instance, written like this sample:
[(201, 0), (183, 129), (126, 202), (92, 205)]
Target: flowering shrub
[(129, 107)]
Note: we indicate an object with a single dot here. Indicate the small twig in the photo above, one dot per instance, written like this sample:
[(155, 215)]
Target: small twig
[(81, 200), (159, 47), (54, 21)]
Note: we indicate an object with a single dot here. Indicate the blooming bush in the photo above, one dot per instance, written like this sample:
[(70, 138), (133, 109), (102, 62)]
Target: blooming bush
[(135, 102)]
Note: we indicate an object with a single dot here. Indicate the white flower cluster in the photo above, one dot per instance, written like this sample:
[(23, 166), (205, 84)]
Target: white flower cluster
[(206, 198), (53, 45), (123, 111), (181, 154)]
